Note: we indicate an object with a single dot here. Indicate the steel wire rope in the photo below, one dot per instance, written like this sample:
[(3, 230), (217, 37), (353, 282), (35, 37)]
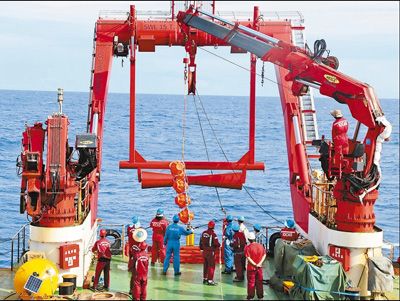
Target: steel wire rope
[(226, 158), (206, 149), (244, 68)]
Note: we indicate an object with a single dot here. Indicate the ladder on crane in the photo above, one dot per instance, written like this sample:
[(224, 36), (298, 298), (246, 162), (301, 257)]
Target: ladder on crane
[(306, 102), (91, 82)]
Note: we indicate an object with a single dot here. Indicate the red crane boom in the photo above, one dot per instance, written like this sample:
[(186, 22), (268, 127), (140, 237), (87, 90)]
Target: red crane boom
[(303, 69)]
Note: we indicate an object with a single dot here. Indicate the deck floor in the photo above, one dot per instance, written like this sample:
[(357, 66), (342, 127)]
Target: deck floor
[(188, 286)]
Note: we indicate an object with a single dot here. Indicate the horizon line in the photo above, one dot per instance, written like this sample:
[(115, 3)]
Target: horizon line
[(145, 93)]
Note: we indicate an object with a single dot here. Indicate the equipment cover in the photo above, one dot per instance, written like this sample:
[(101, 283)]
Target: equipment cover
[(380, 274), (318, 283), (285, 254)]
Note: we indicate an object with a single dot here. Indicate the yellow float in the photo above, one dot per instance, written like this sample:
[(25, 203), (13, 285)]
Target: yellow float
[(44, 279)]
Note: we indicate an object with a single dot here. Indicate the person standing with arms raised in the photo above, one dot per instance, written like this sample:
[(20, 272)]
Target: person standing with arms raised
[(172, 241)]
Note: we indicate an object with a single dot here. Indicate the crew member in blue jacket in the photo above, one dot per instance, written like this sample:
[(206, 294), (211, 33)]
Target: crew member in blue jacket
[(228, 252), (172, 241)]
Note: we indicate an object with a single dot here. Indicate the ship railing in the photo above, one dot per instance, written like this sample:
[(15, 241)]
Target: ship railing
[(113, 15), (19, 245), (387, 245), (118, 244), (324, 204)]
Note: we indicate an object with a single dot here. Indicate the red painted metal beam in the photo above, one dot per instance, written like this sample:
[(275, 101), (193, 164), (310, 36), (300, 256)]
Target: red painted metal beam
[(193, 165), (227, 180)]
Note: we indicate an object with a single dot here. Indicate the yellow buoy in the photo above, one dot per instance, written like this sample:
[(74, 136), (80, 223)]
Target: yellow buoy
[(43, 269)]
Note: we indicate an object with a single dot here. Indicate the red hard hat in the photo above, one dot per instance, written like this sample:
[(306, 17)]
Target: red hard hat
[(103, 233), (211, 224), (143, 246)]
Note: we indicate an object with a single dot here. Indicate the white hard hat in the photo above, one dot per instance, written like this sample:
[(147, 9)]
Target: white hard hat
[(139, 235), (336, 113), (251, 236)]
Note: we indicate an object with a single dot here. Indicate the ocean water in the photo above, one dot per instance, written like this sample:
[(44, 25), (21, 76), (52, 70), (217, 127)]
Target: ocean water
[(159, 137)]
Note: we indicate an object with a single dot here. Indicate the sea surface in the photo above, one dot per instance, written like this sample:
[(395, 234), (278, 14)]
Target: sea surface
[(159, 137)]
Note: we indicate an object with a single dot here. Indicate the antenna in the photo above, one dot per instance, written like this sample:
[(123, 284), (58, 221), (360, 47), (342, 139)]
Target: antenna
[(60, 98)]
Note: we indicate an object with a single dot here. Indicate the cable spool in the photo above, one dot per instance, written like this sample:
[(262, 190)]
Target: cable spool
[(103, 296), (66, 288), (70, 278)]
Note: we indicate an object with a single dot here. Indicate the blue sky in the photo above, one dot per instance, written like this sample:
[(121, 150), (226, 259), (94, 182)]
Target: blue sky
[(46, 45)]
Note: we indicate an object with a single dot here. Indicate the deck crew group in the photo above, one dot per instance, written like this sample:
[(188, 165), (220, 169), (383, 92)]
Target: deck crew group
[(239, 245)]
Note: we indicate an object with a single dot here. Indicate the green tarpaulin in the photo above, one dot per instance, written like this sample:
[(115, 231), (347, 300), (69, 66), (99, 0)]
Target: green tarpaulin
[(318, 283), (285, 254)]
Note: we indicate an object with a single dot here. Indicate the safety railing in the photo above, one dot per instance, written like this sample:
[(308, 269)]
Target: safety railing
[(19, 245), (83, 201), (387, 245), (324, 204)]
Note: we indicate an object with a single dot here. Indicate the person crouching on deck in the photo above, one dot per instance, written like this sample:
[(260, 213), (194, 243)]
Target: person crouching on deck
[(159, 225), (238, 244), (208, 244), (102, 248), (138, 237), (255, 255), (141, 270), (172, 241)]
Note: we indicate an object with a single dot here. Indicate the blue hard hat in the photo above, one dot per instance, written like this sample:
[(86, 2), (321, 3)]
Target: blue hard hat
[(160, 212), (135, 219), (257, 227), (241, 218), (175, 219), (229, 218), (235, 227), (289, 223)]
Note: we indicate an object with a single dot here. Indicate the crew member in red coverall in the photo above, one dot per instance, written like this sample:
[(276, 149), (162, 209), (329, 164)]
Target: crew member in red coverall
[(138, 237), (141, 269), (159, 225), (209, 244), (238, 244), (255, 255), (339, 135), (102, 248)]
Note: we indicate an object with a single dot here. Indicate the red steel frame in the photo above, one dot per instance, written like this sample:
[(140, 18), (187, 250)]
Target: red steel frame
[(136, 160), (145, 35)]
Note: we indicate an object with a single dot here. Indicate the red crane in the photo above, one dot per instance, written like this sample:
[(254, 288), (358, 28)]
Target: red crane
[(303, 69), (55, 188)]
